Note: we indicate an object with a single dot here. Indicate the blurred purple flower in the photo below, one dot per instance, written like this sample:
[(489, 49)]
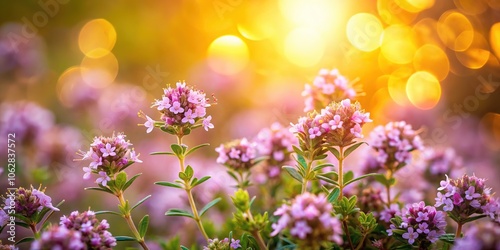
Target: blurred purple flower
[(309, 218), (329, 86), (94, 233), (394, 142), (237, 155), (484, 235), (59, 237)]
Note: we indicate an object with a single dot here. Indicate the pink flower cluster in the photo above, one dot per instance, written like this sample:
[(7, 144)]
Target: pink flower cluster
[(390, 212), (423, 224), (237, 154), (276, 143), (59, 237), (328, 86), (466, 196), (337, 125), (28, 202), (309, 219), (26, 119), (108, 156), (440, 161), (94, 233), (394, 142), (181, 106)]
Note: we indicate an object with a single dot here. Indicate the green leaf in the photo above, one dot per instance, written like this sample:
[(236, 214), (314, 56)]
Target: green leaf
[(349, 150), (196, 148), (125, 238), (384, 181), (348, 176), (169, 129), (333, 195), (121, 179), (105, 189), (189, 172), (335, 152), (321, 166), (186, 131), (473, 218), (320, 157), (232, 174), (293, 172), (297, 150), (162, 153), (302, 161), (201, 180), (183, 176), (177, 149), (327, 179), (362, 177), (184, 248), (107, 212), (140, 202), (448, 238), (178, 212), (26, 239), (209, 205), (143, 225), (130, 181)]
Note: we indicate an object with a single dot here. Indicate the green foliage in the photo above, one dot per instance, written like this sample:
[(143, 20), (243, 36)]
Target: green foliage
[(140, 202), (209, 205), (351, 149), (179, 212), (143, 226), (241, 200), (346, 207), (367, 223)]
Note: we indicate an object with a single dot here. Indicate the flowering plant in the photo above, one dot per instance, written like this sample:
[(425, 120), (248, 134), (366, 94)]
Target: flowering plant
[(310, 205)]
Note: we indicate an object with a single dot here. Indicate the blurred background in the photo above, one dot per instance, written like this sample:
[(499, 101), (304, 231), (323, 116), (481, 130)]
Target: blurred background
[(71, 70)]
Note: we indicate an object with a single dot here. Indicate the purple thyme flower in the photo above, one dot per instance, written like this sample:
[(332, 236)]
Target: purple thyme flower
[(309, 219), (27, 120), (390, 212), (465, 196), (108, 156), (59, 237), (28, 202), (276, 144), (225, 244), (339, 124), (327, 87), (423, 224), (94, 233), (237, 154), (394, 142), (180, 107)]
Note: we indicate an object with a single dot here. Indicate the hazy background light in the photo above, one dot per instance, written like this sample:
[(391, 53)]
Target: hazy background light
[(97, 38)]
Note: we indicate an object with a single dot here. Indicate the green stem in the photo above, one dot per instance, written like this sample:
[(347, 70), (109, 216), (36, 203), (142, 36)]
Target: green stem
[(348, 235), (192, 204), (33, 229), (256, 233), (388, 186), (130, 223), (341, 172), (458, 234), (306, 178), (361, 242)]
